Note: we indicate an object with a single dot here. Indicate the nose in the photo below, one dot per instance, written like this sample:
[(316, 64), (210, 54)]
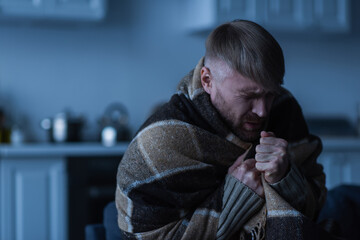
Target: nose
[(260, 107)]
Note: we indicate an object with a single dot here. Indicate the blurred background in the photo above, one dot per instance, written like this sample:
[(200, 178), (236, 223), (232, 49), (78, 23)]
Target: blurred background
[(141, 49), (70, 69)]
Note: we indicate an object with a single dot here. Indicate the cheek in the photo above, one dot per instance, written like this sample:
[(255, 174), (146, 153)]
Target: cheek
[(242, 108), (238, 111)]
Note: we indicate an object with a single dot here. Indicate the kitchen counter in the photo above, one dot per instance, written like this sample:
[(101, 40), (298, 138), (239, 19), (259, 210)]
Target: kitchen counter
[(340, 143), (61, 150), (97, 149)]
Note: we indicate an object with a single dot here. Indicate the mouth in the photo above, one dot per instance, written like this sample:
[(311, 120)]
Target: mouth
[(252, 126)]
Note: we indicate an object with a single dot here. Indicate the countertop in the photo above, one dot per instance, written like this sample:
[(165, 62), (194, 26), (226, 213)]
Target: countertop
[(62, 150), (97, 149), (340, 143)]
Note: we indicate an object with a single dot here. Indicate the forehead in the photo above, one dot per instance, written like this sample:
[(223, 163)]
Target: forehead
[(239, 83)]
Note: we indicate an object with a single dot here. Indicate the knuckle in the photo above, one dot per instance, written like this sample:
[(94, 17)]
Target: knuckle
[(242, 168), (252, 175), (250, 163), (237, 174), (258, 148), (273, 166), (260, 167)]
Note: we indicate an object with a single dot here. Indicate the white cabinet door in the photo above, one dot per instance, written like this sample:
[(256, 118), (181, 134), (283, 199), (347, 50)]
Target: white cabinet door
[(33, 199), (288, 14), (341, 167), (273, 14), (79, 9), (204, 15), (240, 9), (279, 15), (24, 8), (332, 15), (55, 9)]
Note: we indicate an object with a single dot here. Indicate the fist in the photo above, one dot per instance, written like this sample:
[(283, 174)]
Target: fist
[(272, 157)]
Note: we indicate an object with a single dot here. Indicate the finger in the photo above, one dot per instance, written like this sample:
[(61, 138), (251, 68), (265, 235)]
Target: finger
[(246, 166), (271, 150), (274, 141), (260, 157), (264, 166), (267, 134), (250, 163), (243, 168), (251, 175), (240, 172), (263, 148), (252, 179)]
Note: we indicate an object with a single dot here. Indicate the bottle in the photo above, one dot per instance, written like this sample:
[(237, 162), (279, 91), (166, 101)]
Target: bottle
[(17, 136), (4, 131)]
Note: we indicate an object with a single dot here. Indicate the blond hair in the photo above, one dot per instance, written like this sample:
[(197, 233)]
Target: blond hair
[(249, 49)]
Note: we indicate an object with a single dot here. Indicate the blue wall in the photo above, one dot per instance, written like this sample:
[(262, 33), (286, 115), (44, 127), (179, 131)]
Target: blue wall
[(137, 56)]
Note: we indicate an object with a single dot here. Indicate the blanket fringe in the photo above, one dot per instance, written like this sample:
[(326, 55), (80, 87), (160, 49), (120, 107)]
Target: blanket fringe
[(258, 232)]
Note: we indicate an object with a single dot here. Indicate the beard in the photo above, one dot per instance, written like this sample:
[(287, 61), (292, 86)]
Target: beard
[(245, 133), (247, 128)]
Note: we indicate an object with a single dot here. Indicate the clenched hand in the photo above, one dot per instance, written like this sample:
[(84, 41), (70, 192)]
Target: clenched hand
[(271, 157)]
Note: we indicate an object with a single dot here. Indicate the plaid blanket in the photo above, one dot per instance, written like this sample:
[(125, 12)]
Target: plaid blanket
[(170, 182)]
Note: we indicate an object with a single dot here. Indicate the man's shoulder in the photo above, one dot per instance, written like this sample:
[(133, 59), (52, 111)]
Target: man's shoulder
[(174, 109), (178, 108)]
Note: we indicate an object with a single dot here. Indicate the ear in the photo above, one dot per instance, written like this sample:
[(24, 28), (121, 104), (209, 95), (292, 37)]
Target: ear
[(206, 79)]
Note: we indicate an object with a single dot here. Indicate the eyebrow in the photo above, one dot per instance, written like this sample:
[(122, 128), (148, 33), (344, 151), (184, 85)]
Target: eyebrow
[(251, 91), (254, 92)]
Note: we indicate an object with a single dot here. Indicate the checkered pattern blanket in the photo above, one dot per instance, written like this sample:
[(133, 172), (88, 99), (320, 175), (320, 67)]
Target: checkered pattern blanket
[(170, 181)]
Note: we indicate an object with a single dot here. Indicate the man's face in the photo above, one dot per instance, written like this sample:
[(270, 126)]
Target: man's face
[(243, 104)]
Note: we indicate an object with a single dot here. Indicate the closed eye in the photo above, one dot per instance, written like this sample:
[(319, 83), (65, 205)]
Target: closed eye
[(251, 96)]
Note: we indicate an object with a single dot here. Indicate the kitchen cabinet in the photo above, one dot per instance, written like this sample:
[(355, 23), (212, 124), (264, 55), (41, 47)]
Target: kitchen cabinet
[(245, 9), (33, 198), (341, 161), (278, 15), (288, 14), (54, 9), (36, 181), (332, 15), (274, 14)]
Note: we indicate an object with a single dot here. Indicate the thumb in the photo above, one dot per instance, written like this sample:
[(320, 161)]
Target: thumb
[(267, 134), (238, 161)]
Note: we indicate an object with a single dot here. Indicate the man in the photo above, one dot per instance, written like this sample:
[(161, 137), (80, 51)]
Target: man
[(228, 156)]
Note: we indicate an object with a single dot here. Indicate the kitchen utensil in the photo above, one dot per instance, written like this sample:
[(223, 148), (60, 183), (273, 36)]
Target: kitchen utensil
[(63, 127), (114, 124)]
